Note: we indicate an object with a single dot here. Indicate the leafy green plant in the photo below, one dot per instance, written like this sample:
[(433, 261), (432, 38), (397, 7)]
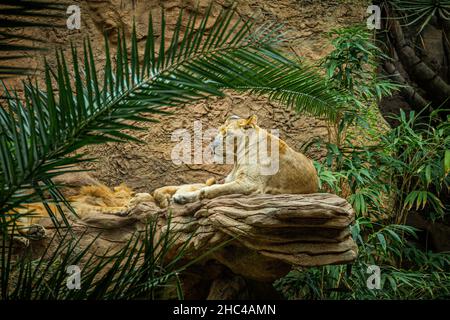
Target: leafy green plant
[(418, 158), (396, 171), (352, 63), (406, 164), (17, 16), (407, 169), (406, 272), (138, 270), (352, 68), (408, 159)]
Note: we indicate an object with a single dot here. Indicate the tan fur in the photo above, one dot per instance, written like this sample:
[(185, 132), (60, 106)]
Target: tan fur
[(296, 173), (163, 195), (88, 200), (102, 196)]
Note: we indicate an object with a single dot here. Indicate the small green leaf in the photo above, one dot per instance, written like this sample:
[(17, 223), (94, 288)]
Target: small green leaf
[(382, 241), (447, 161)]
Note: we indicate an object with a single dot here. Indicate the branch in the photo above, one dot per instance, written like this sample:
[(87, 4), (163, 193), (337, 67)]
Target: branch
[(413, 97)]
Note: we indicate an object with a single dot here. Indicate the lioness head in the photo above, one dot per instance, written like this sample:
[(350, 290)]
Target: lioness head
[(231, 133)]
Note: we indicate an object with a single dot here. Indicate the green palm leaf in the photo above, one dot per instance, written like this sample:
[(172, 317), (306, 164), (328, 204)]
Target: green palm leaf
[(19, 15), (420, 12)]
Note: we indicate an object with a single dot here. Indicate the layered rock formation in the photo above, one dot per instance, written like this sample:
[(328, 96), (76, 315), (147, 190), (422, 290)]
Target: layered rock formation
[(250, 240)]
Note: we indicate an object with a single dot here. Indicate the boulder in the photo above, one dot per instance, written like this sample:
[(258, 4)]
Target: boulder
[(250, 240)]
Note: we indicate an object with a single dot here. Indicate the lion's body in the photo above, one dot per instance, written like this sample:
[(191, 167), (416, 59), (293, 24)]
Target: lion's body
[(89, 200), (294, 174), (101, 197)]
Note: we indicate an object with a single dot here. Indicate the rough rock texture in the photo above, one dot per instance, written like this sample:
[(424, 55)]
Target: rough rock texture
[(253, 240), (302, 230)]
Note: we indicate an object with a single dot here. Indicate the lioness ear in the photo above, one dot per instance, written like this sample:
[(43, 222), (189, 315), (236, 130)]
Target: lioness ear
[(251, 122)]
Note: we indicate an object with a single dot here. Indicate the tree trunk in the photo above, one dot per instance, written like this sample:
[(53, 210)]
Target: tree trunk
[(419, 61)]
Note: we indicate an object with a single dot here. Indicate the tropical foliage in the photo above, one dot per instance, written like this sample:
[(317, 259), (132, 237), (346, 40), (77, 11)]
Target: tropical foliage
[(19, 15), (420, 13), (401, 170), (405, 173), (351, 68), (137, 270)]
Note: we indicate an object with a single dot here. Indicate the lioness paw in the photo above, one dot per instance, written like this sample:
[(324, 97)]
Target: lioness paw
[(183, 198), (180, 199)]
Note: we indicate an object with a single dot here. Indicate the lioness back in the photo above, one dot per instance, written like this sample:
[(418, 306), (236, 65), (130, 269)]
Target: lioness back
[(296, 175)]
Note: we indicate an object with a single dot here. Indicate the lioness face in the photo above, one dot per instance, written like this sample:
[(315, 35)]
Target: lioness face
[(224, 143)]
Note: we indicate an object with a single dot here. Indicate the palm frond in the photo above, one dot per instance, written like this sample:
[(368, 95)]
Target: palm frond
[(19, 15), (39, 133), (420, 12)]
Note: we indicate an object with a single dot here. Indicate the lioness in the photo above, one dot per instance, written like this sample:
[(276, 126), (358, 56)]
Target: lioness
[(295, 173)]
